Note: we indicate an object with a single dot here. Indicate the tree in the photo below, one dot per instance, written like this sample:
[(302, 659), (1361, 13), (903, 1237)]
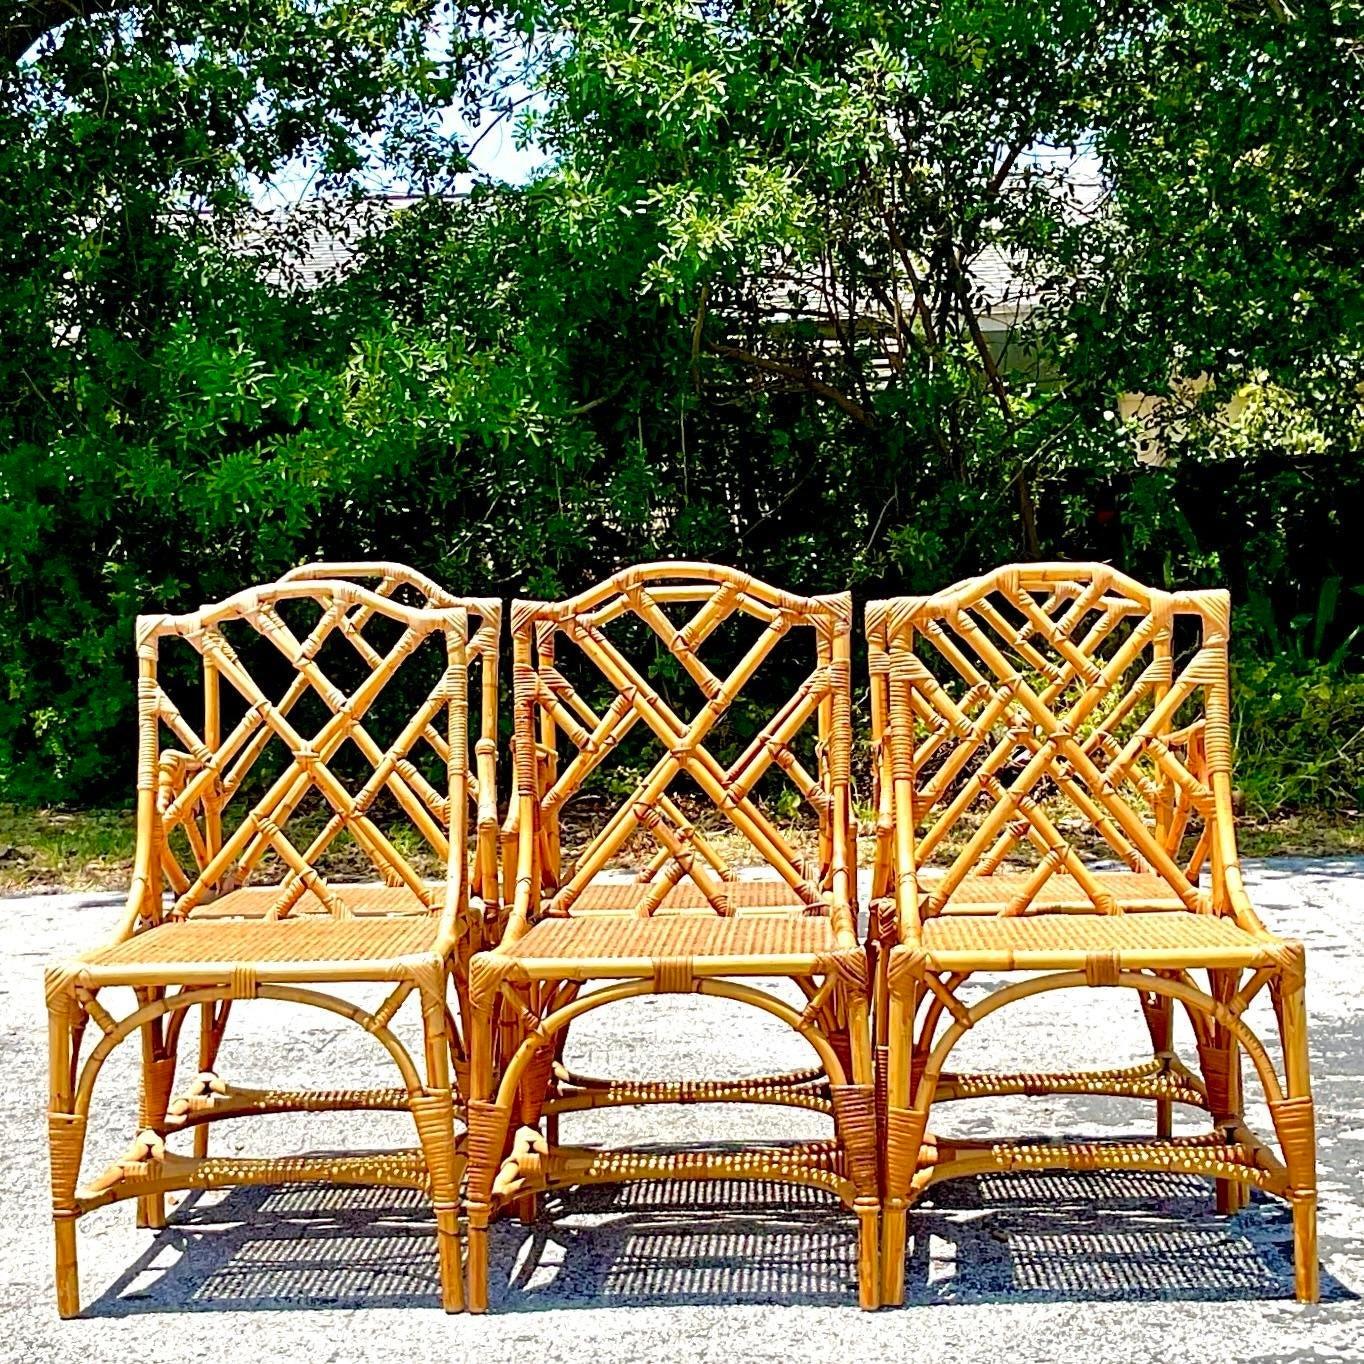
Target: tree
[(132, 141), (830, 184), (835, 293)]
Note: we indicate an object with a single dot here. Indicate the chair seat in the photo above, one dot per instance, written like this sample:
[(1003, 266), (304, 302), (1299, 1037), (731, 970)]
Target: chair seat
[(255, 902), (621, 897), (601, 897), (1059, 941), (603, 946), (198, 951), (1132, 890)]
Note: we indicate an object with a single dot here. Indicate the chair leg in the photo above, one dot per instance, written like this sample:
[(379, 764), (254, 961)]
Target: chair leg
[(66, 1139), (212, 1024), (487, 1134), (1232, 1194), (534, 1087), (68, 1274), (1306, 1270), (1221, 1064), (1295, 1125), (894, 1241), (859, 1133), (869, 1258), (899, 1154), (151, 1212), (1158, 1011), (552, 1119), (434, 1113), (478, 1261), (158, 1078)]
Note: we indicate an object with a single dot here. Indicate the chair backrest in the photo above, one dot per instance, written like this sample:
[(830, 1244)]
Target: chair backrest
[(404, 583), (683, 613), (334, 729), (1041, 712)]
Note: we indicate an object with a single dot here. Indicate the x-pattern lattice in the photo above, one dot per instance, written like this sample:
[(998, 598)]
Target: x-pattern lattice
[(682, 849), (1023, 689), (384, 580), (220, 764)]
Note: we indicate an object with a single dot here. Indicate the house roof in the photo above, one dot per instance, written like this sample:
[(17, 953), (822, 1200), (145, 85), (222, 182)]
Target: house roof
[(314, 241)]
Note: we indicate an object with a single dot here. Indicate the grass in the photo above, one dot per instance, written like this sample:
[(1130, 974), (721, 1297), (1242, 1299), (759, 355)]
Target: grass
[(49, 850), (1297, 835), (65, 849)]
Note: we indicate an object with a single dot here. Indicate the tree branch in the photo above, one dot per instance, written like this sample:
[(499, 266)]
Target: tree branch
[(920, 302), (1002, 174), (697, 328), (794, 372), (29, 20), (987, 359)]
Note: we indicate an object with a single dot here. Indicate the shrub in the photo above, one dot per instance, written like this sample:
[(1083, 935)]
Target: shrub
[(1299, 731)]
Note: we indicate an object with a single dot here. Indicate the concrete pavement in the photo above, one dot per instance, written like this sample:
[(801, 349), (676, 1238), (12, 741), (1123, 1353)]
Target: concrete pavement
[(1123, 1267)]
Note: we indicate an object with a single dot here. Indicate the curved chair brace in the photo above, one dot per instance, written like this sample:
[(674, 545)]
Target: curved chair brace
[(286, 994), (533, 1165), (147, 1167), (959, 978), (209, 1099), (1140, 1081), (1231, 1153), (1136, 980), (148, 1171), (543, 1035)]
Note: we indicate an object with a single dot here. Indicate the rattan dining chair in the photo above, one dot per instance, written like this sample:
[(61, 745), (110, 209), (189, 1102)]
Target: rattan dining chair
[(670, 891), (364, 757), (685, 923), (209, 1096), (1022, 720)]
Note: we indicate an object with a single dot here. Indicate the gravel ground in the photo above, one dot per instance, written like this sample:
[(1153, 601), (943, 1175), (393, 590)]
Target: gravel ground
[(1098, 1267)]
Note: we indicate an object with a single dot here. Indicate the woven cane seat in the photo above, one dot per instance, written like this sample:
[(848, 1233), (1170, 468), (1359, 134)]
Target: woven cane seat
[(1084, 933), (607, 939), (989, 894), (255, 902), (621, 897), (308, 939)]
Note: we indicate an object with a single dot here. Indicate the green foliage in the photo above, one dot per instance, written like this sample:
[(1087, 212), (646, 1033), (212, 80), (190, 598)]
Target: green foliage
[(1298, 704), (1299, 730), (837, 293)]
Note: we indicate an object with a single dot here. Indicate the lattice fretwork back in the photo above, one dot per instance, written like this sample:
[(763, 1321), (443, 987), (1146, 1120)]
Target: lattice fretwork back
[(1043, 717), (403, 583), (322, 740), (584, 684)]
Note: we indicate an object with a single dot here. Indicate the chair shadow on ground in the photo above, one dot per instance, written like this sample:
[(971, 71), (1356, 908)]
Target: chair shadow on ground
[(1034, 1237)]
